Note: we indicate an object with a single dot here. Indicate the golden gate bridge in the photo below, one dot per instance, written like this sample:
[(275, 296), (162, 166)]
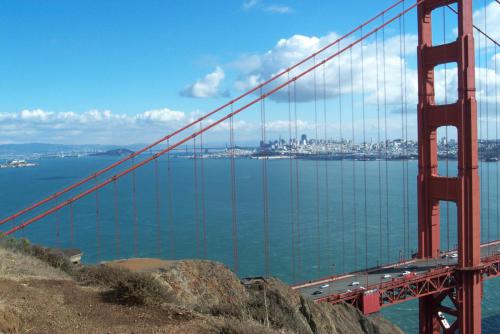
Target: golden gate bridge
[(447, 280)]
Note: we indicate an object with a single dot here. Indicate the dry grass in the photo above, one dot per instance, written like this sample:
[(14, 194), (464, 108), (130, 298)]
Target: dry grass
[(125, 286), (50, 256), (16, 265), (235, 326)]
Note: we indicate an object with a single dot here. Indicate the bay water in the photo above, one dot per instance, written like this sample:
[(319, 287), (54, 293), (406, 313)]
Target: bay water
[(351, 215)]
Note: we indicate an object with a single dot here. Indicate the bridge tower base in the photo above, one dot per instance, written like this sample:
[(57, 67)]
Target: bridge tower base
[(463, 189)]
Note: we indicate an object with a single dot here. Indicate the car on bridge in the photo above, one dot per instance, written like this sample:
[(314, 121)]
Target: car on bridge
[(407, 274)]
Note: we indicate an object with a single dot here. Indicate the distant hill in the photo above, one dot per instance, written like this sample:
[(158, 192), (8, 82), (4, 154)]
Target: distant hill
[(115, 152), (43, 148)]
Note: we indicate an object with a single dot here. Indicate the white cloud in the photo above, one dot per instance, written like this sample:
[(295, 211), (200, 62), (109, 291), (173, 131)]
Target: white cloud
[(288, 52), (90, 127), (487, 19), (35, 115), (257, 68), (208, 86), (271, 8), (279, 9), (164, 115), (249, 4)]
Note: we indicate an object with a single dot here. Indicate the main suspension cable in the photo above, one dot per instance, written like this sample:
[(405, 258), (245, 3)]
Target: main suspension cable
[(477, 29), (197, 133)]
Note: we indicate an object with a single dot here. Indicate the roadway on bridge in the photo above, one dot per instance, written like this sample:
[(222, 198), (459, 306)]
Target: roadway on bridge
[(341, 284)]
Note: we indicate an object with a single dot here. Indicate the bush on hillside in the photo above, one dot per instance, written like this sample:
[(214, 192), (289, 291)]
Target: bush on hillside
[(50, 256), (125, 286)]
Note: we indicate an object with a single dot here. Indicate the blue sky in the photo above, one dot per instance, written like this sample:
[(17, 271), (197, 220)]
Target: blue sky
[(130, 57), (137, 55)]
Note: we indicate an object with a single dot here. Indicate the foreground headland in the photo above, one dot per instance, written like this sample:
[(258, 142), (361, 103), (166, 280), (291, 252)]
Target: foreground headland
[(43, 292)]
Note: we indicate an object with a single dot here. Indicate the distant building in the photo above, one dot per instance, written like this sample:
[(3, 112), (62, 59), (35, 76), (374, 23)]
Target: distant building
[(303, 139)]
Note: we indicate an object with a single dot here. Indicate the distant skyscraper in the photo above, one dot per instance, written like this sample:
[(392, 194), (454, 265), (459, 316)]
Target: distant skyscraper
[(303, 139)]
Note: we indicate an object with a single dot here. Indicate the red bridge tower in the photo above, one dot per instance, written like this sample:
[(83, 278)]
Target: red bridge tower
[(463, 189)]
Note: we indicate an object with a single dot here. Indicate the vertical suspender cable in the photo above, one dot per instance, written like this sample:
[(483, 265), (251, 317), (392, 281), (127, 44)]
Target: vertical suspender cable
[(379, 152), (496, 144), (365, 199), (203, 206), (290, 155), (487, 146), (447, 151), (233, 195), (403, 174), (134, 208), (386, 144), (353, 151), (170, 205), (297, 184), (196, 199), (406, 138), (316, 172), (480, 130), (72, 223), (265, 189), (327, 181), (158, 213), (342, 211), (117, 224), (97, 225), (58, 225)]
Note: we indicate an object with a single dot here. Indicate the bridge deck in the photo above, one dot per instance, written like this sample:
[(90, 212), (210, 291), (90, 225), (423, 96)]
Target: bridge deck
[(427, 277)]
